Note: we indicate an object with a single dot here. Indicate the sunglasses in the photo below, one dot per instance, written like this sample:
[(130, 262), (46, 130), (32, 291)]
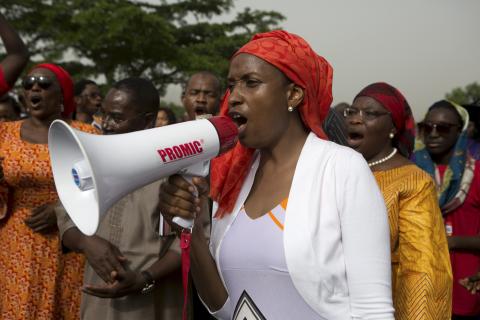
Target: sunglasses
[(43, 82), (441, 128)]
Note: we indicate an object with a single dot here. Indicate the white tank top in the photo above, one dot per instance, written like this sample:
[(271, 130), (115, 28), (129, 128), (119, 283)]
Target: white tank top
[(253, 265)]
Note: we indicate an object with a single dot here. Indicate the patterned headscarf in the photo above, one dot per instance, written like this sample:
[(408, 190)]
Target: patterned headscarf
[(66, 84), (394, 101), (293, 56), (453, 189)]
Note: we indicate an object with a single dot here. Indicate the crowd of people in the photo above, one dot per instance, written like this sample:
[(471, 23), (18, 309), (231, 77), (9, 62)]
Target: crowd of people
[(293, 222)]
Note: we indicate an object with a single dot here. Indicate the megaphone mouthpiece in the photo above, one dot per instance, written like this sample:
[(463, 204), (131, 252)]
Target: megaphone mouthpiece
[(227, 132)]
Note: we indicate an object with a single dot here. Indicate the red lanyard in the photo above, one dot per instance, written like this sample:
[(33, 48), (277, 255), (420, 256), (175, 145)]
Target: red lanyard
[(185, 240)]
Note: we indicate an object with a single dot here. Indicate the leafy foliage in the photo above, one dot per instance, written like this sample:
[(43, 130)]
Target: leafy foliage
[(112, 39), (468, 95)]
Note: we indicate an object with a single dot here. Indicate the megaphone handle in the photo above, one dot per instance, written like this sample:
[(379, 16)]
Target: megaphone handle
[(186, 223)]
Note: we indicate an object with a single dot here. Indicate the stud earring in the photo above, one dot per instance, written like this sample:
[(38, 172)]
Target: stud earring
[(391, 135), (290, 109)]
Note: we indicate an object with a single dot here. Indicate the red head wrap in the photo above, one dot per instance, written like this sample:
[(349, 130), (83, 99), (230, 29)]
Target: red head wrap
[(293, 56), (392, 100), (66, 84)]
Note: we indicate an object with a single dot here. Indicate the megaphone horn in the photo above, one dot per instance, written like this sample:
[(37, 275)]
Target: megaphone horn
[(92, 172)]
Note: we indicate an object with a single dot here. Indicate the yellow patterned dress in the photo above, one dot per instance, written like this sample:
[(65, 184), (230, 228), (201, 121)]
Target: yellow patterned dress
[(421, 272), (37, 281)]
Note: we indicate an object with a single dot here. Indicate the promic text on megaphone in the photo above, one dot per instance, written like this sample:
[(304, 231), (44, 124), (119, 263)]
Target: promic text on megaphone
[(92, 172)]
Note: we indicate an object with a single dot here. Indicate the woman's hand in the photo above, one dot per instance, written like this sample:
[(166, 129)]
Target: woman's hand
[(472, 283), (178, 198), (43, 219)]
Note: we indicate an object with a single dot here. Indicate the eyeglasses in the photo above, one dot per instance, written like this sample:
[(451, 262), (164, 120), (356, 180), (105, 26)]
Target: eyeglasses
[(441, 128), (115, 121), (43, 82), (364, 114)]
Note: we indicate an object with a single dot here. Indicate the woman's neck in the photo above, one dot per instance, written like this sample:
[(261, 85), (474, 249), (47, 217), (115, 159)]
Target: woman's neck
[(385, 152), (34, 130), (42, 123), (286, 150)]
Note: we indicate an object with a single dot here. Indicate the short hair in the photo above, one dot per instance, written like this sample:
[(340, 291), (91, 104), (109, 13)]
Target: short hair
[(172, 119), (81, 85), (143, 93), (208, 74), (444, 104)]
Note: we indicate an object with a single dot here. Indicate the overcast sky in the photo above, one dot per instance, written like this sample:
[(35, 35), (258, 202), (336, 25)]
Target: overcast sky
[(423, 47)]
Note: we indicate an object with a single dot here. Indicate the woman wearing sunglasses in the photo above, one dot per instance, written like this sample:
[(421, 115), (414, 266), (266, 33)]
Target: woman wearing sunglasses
[(442, 152), (380, 126), (36, 280)]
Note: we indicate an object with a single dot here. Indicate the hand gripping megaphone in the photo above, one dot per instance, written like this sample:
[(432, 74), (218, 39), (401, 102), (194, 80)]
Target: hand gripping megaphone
[(92, 172)]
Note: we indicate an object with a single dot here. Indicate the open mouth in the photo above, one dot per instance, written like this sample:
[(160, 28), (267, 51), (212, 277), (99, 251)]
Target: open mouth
[(355, 136), (354, 139), (239, 120), (200, 110), (35, 101)]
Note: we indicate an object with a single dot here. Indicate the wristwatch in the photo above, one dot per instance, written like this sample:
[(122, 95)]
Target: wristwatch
[(149, 282)]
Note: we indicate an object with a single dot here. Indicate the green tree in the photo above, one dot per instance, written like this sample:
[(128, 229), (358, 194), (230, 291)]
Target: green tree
[(111, 39), (468, 95)]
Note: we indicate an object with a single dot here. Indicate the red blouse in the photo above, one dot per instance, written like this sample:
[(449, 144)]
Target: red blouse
[(465, 221)]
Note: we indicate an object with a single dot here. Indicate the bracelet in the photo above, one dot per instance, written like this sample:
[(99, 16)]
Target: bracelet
[(149, 282)]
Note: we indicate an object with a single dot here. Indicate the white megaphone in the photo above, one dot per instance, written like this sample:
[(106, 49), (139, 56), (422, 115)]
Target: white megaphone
[(92, 172)]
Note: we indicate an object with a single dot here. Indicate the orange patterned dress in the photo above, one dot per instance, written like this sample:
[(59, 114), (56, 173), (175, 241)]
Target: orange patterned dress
[(421, 272), (37, 281)]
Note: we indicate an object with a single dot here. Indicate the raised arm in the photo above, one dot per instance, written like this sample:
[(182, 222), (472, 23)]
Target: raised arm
[(17, 53)]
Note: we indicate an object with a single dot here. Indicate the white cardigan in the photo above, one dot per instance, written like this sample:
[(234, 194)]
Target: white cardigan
[(336, 235)]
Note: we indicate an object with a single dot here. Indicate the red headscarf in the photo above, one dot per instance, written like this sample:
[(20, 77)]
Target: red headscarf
[(66, 84), (293, 56), (391, 99)]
